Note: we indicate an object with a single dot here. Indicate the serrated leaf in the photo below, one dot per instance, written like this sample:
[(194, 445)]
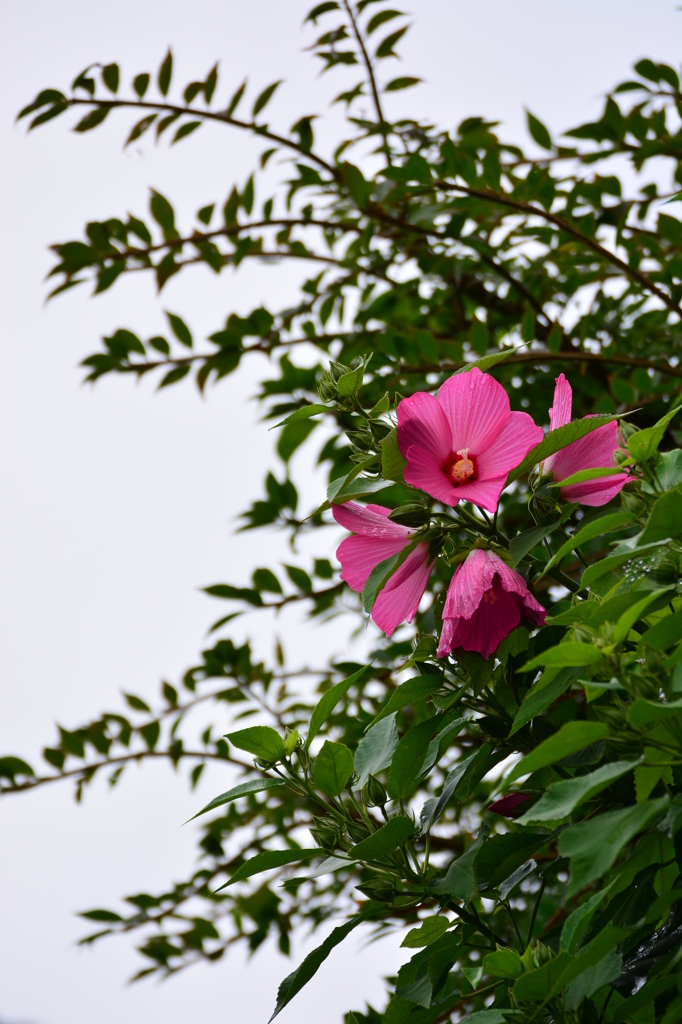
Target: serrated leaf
[(375, 750), (561, 798)]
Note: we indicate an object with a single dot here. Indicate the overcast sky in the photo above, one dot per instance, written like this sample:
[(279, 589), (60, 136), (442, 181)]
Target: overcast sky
[(118, 503)]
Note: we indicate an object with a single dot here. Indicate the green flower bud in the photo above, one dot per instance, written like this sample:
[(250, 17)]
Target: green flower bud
[(380, 889), (358, 831), (374, 793), (413, 514), (327, 833)]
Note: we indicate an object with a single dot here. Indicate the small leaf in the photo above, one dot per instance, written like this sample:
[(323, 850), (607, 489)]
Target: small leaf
[(173, 376), (410, 692), (572, 737), (333, 768), (260, 740), (401, 83), (644, 443), (141, 84), (349, 383), (563, 656), (385, 48), (110, 76), (268, 860), (538, 132), (328, 702), (234, 102), (429, 931), (504, 963), (92, 119), (302, 414), (179, 329), (185, 129), (244, 789), (264, 98), (165, 73), (135, 703), (524, 542)]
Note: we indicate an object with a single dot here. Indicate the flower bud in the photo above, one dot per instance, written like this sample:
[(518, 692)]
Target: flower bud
[(326, 833), (291, 741), (363, 440), (358, 831), (374, 793), (380, 889), (412, 514)]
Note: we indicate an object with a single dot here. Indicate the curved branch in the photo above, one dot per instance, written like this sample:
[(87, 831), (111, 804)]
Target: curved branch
[(209, 116), (368, 64), (204, 755), (569, 229)]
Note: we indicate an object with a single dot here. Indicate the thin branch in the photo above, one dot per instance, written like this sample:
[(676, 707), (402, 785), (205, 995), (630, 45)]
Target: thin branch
[(141, 755), (368, 63), (210, 116), (569, 229)]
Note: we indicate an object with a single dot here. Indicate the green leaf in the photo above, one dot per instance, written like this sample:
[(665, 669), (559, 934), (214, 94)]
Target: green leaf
[(524, 542), (347, 487), (375, 750), (302, 414), (577, 923), (393, 463), (502, 855), (141, 84), (173, 376), (268, 860), (429, 931), (557, 439), (295, 981), (665, 519), (627, 620), (234, 102), (328, 702), (550, 686), (243, 789), (607, 565), (265, 579), (665, 633), (163, 214), (264, 98), (564, 656), (594, 845), (595, 528), (349, 383), (460, 880), (333, 768), (401, 83), (434, 807), (561, 798), (165, 73), (92, 119), (536, 986), (572, 737), (410, 692), (648, 712), (385, 48), (538, 132), (260, 740), (228, 593), (644, 443), (110, 76), (489, 361), (504, 963), (408, 759), (292, 437), (179, 329), (385, 841), (584, 475), (185, 129), (11, 766), (381, 574), (382, 406), (300, 578), (644, 995)]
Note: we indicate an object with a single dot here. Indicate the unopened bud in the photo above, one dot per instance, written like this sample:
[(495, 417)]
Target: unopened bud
[(338, 369), (326, 833), (380, 889), (412, 514), (374, 793), (358, 831), (361, 439), (291, 741)]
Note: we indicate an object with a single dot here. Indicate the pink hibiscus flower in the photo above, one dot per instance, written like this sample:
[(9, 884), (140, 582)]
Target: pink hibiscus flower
[(595, 451), (461, 444), (486, 600), (376, 538)]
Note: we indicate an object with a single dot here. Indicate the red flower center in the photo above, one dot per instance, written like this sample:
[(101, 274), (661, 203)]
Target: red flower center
[(490, 597), (462, 469)]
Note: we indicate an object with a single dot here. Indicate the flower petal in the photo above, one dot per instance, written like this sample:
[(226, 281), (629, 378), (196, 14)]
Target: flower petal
[(484, 493), (589, 452), (519, 434), (595, 492), (477, 408), (472, 578), (560, 413), (368, 521), (359, 555), (492, 622), (399, 600), (423, 470), (421, 421)]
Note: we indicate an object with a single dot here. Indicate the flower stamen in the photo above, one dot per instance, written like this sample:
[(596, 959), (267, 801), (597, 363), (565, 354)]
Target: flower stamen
[(464, 468)]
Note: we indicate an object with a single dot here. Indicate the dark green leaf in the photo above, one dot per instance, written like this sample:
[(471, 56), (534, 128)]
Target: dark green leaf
[(572, 737), (302, 414), (607, 565), (385, 841), (244, 789), (408, 759), (267, 861), (173, 376), (333, 768), (557, 439), (179, 329), (385, 48), (165, 73), (561, 798), (375, 750), (538, 131), (328, 702), (410, 692), (596, 528), (524, 542), (141, 84), (92, 119), (264, 98), (185, 129), (401, 83)]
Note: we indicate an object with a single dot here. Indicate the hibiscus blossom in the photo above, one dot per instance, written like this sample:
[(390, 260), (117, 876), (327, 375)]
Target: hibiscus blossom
[(594, 451), (486, 600), (375, 539), (461, 444)]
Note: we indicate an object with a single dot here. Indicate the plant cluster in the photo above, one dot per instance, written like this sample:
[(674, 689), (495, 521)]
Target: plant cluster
[(503, 777)]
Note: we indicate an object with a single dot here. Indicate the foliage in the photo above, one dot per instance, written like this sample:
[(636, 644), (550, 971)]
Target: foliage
[(393, 797)]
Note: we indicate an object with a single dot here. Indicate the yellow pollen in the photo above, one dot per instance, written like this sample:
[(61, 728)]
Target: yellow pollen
[(463, 468)]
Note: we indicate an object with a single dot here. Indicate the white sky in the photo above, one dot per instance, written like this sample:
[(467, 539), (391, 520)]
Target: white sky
[(117, 502)]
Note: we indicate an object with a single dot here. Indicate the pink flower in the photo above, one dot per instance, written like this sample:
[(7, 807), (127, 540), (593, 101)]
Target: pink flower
[(595, 450), (486, 600), (509, 805), (461, 444), (376, 538)]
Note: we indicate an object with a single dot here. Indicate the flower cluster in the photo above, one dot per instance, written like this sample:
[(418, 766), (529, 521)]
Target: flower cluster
[(460, 445)]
